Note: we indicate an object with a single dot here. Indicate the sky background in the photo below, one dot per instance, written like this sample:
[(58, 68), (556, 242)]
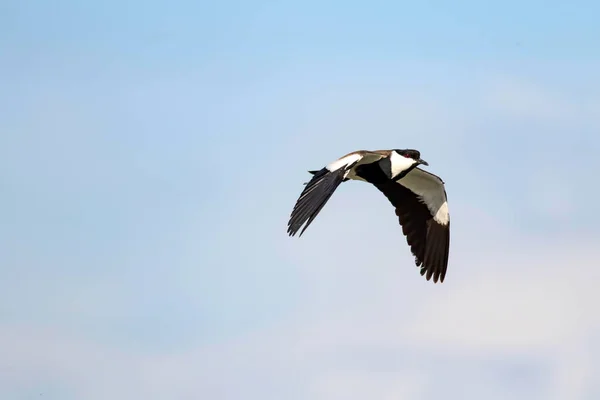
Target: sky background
[(151, 152)]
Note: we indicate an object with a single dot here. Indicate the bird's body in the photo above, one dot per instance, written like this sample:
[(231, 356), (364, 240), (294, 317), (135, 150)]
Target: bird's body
[(418, 196)]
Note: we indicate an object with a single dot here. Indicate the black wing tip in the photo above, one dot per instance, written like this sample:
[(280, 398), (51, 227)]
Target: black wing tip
[(293, 231), (432, 274), (315, 195), (435, 262), (294, 228)]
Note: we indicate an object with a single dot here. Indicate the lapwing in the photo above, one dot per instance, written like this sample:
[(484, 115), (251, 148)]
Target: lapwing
[(418, 196)]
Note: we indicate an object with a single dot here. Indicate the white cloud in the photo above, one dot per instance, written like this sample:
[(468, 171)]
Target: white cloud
[(536, 308), (388, 341), (575, 373), (538, 299), (371, 326), (360, 384)]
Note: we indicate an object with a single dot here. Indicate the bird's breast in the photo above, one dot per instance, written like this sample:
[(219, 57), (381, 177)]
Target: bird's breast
[(372, 173)]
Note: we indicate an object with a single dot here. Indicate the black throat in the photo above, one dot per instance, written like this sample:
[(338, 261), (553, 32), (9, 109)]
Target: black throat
[(380, 171), (377, 172)]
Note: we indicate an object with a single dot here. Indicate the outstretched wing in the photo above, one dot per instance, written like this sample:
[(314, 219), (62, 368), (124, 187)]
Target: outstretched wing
[(314, 196), (422, 210), (322, 185)]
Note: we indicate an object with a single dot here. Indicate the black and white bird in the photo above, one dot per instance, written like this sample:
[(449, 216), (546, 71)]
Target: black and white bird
[(418, 196)]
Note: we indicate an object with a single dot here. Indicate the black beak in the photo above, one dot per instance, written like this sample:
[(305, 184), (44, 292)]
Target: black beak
[(421, 161)]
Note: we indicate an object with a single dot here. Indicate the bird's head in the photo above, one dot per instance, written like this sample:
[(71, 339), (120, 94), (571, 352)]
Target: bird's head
[(412, 154)]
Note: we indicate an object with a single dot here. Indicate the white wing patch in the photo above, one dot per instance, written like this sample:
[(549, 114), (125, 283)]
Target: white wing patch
[(442, 215), (431, 191), (343, 162)]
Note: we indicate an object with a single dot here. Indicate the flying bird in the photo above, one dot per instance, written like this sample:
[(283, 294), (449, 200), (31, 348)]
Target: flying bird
[(418, 196)]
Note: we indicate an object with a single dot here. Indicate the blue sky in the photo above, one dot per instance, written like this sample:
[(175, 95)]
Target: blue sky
[(151, 153)]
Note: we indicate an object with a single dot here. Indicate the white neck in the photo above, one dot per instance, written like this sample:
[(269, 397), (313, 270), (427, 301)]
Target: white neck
[(400, 163)]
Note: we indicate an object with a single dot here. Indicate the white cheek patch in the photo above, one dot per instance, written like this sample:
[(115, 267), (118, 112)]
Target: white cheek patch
[(343, 162), (400, 163)]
